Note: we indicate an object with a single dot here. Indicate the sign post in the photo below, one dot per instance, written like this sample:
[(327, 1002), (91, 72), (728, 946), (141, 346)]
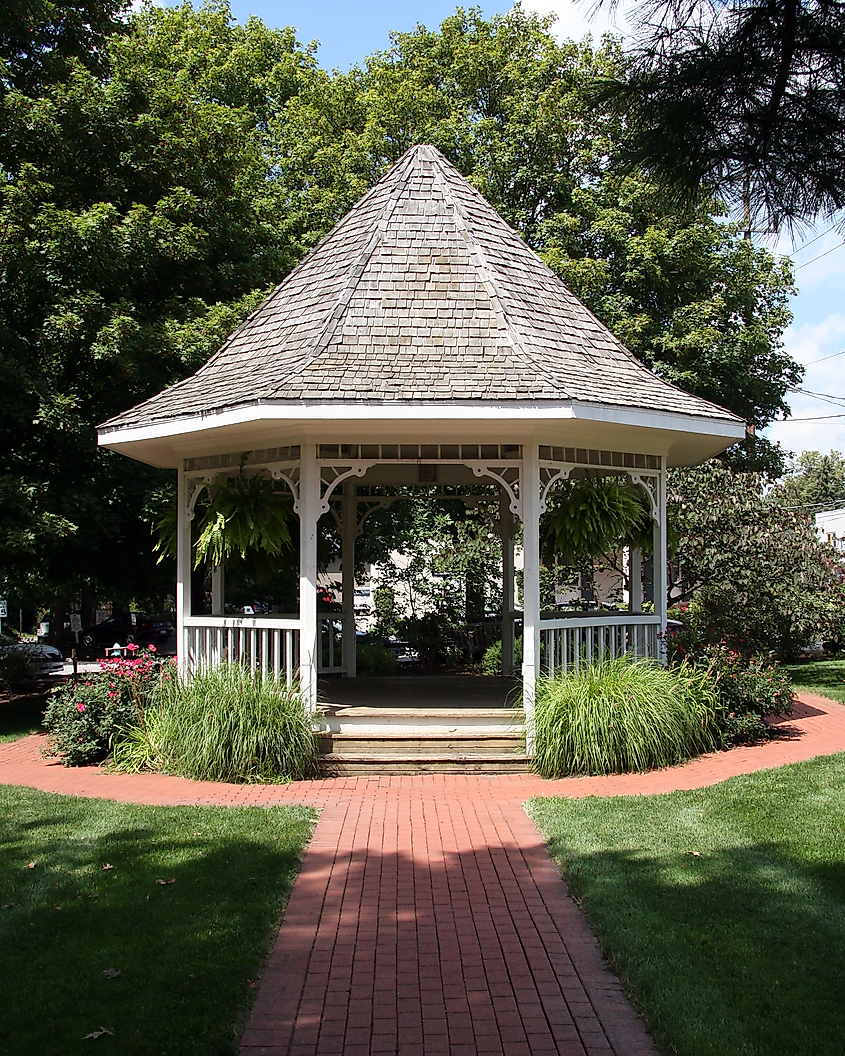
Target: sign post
[(76, 627), (4, 612)]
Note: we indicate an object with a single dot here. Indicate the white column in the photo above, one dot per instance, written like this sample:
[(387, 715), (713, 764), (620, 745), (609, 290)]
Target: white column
[(529, 490), (660, 562), (183, 569), (348, 527), (218, 580), (506, 531), (309, 510), (635, 580)]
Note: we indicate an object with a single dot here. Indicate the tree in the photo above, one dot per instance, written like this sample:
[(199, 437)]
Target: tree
[(745, 99), (141, 224), (813, 481), (513, 110), (754, 567)]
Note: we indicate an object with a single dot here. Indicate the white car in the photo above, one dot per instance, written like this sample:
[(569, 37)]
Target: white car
[(40, 659)]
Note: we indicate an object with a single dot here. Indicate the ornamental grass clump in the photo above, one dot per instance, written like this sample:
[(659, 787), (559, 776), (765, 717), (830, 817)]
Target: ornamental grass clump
[(620, 715), (226, 723)]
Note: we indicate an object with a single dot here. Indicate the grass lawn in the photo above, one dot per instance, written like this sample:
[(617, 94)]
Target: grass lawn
[(722, 909), (21, 714), (825, 677), (188, 951)]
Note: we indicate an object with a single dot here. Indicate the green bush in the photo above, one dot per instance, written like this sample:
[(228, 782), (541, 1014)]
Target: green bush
[(615, 716), (15, 669), (491, 662), (374, 659), (83, 717), (750, 687), (224, 724)]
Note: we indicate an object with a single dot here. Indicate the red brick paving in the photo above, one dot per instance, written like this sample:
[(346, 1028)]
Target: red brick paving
[(428, 917)]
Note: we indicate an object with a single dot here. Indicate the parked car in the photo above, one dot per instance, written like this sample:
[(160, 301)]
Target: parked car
[(35, 659), (125, 629)]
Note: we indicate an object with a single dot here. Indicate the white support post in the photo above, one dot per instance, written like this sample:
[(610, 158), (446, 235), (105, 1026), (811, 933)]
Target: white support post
[(183, 569), (635, 580), (529, 490), (218, 582), (661, 562), (506, 531), (309, 511), (348, 527)]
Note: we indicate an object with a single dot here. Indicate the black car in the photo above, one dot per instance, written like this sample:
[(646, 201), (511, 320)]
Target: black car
[(131, 627)]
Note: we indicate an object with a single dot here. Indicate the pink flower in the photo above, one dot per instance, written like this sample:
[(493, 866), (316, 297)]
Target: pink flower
[(131, 646), (80, 707), (151, 648)]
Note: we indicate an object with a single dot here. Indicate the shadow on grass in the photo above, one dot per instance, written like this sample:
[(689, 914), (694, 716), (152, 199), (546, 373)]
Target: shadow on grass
[(20, 715), (182, 902), (731, 949), (825, 677)]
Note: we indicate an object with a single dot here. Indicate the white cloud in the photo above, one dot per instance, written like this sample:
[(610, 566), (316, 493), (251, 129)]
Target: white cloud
[(812, 344), (575, 19)]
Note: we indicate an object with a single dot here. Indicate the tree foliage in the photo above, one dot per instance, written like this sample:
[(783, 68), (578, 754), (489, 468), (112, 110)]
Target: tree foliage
[(745, 98), (813, 480), (755, 567), (160, 171)]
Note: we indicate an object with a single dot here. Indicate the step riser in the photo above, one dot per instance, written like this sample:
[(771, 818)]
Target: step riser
[(388, 746), (423, 766)]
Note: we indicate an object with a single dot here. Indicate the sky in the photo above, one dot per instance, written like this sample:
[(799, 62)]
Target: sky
[(349, 32)]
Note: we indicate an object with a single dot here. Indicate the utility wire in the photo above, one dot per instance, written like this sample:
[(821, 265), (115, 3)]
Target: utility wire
[(825, 397), (813, 362), (812, 260), (812, 418), (812, 240)]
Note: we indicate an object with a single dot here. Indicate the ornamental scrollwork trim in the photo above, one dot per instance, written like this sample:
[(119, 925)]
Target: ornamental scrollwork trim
[(512, 487), (343, 472), (200, 484), (651, 486), (289, 473), (550, 475)]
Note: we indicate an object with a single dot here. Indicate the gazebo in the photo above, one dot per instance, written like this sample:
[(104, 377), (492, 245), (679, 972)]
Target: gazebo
[(420, 344)]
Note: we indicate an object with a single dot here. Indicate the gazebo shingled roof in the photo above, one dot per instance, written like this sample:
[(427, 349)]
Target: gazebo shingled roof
[(421, 293)]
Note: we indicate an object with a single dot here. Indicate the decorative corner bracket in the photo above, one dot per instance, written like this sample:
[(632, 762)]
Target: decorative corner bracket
[(498, 474), (199, 486), (550, 475), (289, 473), (650, 485), (342, 472)]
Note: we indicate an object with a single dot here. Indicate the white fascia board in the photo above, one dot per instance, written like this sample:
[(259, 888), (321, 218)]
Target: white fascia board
[(729, 428), (534, 411)]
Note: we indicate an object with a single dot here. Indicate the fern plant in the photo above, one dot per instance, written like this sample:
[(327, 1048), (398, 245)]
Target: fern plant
[(593, 516), (240, 516)]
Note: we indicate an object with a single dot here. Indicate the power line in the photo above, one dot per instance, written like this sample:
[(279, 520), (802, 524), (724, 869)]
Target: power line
[(812, 240), (812, 260), (812, 418), (813, 362), (822, 397)]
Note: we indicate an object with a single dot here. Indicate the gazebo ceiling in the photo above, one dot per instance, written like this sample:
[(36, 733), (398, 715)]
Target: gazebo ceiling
[(422, 315)]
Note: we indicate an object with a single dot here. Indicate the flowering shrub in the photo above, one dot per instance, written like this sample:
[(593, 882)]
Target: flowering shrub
[(749, 687), (83, 717)]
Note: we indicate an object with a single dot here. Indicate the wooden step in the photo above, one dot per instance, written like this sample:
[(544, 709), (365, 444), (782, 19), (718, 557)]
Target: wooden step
[(350, 765), (420, 742)]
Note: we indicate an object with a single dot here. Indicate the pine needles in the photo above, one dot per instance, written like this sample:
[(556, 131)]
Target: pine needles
[(622, 715)]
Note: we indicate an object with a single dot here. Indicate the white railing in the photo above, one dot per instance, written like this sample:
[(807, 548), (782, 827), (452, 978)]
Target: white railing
[(330, 645), (566, 643), (266, 643)]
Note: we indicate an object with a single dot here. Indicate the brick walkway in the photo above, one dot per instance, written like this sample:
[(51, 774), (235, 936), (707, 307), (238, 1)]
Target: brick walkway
[(428, 917)]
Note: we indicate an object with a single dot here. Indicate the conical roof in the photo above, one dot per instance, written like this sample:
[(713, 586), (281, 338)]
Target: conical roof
[(421, 294)]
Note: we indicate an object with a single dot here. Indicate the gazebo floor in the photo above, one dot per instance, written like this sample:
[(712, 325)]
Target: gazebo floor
[(421, 691), (421, 724)]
